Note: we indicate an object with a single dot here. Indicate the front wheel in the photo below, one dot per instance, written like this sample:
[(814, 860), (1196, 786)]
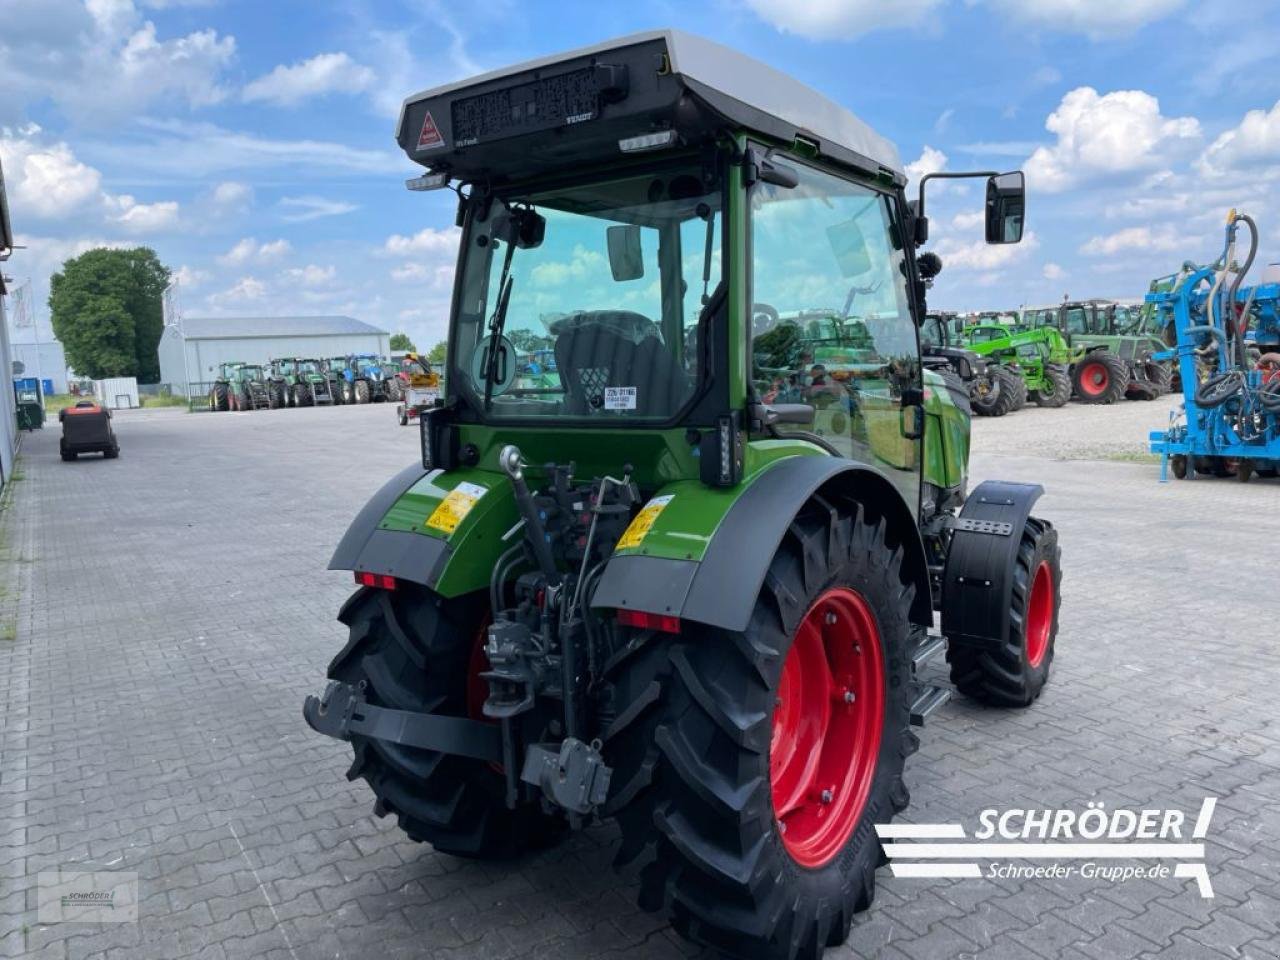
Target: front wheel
[(1013, 672), (1060, 392), (750, 769), (362, 391), (413, 650)]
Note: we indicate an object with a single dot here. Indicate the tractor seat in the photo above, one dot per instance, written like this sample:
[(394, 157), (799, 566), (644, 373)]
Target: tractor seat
[(592, 357)]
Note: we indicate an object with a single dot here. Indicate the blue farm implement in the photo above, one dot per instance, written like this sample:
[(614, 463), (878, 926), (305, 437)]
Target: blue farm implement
[(1228, 353)]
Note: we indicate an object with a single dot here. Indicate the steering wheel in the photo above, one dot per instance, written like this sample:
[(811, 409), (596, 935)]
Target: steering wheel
[(763, 317)]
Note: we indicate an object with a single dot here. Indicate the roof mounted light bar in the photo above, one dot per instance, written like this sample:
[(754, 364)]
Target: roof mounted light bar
[(428, 181), (648, 141)]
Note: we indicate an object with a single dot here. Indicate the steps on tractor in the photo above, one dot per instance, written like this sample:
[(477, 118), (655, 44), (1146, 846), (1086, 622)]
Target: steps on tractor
[(930, 699), (926, 650)]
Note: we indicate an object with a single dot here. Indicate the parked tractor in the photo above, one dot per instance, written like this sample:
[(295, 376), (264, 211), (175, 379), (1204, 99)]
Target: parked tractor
[(299, 382), (220, 389), (1039, 356), (993, 390), (248, 388), (1230, 421), (1106, 364), (366, 379), (647, 593)]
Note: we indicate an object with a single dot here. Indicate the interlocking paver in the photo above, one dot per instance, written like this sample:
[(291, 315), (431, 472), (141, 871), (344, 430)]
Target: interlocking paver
[(172, 609)]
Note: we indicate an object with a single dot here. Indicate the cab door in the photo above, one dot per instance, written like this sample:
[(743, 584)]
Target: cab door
[(832, 324)]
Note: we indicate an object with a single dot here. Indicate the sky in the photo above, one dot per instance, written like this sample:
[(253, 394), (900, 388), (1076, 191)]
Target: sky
[(251, 143)]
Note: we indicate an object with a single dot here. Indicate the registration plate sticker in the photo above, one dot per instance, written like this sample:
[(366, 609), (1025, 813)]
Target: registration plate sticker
[(644, 520), (453, 509), (619, 398)]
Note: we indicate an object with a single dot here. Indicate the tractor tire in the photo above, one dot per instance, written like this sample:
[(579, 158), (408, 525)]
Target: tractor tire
[(1244, 470), (1099, 377), (219, 397), (1017, 389), (1178, 466), (362, 391), (996, 402), (276, 397), (1014, 674), (749, 845), (1061, 392), (394, 390), (302, 396), (335, 395), (1160, 376), (959, 392), (68, 457), (413, 650), (348, 394), (1142, 390), (111, 453)]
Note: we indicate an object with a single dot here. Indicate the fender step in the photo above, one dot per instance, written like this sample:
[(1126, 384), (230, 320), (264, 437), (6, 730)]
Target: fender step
[(930, 699), (929, 647)]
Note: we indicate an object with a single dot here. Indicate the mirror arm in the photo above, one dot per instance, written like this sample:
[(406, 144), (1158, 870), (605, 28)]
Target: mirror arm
[(942, 175)]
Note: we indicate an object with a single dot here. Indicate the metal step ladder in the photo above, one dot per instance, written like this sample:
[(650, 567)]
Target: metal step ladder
[(931, 695)]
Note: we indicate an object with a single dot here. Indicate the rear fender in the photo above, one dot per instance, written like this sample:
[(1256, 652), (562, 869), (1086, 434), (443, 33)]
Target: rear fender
[(401, 532), (721, 588)]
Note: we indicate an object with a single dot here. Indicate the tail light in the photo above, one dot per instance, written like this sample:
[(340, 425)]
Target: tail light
[(641, 620), (378, 580)]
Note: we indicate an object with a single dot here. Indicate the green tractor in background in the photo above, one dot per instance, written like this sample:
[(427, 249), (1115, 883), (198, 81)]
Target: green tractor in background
[(239, 386), (640, 586), (993, 389), (1110, 358), (1039, 355), (299, 382)]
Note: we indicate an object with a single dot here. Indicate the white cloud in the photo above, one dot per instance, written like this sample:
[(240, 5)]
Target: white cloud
[(1132, 238), (1252, 147), (45, 180), (249, 249), (1053, 271), (231, 194), (189, 277), (842, 19), (1096, 18), (312, 275), (302, 209), (143, 217), (323, 73), (929, 161), (246, 288), (979, 255), (427, 240), (1101, 135)]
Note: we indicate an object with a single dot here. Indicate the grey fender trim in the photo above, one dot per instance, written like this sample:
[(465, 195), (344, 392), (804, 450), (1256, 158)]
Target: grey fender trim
[(352, 544), (651, 584)]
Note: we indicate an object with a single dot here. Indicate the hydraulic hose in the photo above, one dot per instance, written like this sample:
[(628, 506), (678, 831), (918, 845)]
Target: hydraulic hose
[(1239, 327), (1218, 389)]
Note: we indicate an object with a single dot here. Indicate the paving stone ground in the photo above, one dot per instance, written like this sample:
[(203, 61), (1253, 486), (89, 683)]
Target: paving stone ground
[(163, 615)]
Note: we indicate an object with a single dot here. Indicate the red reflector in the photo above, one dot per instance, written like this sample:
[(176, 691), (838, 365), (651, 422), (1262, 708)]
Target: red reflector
[(649, 621), (380, 580)]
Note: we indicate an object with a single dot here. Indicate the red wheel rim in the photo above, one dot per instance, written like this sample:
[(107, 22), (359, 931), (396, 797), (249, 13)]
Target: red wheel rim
[(1040, 615), (1095, 379), (827, 724)]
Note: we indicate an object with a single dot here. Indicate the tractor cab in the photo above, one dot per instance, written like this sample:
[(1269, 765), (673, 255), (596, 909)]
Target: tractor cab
[(687, 499)]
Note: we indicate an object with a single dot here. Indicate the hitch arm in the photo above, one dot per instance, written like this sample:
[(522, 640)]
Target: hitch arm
[(342, 712)]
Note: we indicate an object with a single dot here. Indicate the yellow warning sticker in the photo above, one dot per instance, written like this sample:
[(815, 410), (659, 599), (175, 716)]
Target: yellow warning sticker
[(639, 527), (455, 506)]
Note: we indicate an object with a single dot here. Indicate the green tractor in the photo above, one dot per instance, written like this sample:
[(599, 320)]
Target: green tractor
[(248, 388), (1110, 359), (220, 389), (1040, 356), (299, 382), (645, 589), (993, 389)]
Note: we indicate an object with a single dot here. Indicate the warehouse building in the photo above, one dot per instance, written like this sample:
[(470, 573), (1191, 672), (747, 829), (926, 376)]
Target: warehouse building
[(43, 360), (191, 350), (8, 401)]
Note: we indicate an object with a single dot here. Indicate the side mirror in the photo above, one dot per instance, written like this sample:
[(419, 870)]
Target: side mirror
[(526, 228), (626, 259), (779, 174), (1006, 204)]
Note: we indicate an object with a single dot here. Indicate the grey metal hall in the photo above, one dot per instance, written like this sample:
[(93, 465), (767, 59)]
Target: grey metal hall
[(191, 350)]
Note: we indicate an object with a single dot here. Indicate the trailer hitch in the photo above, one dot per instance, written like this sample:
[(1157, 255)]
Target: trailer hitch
[(342, 712)]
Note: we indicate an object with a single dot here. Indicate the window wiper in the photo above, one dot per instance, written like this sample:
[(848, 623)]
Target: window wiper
[(496, 324)]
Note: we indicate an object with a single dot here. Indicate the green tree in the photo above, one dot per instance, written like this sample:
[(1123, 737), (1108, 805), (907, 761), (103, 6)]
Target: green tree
[(107, 308), (401, 342), (438, 353)]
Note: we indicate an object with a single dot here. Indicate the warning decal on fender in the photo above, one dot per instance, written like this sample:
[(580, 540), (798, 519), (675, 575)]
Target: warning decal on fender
[(453, 509), (430, 137), (643, 521)]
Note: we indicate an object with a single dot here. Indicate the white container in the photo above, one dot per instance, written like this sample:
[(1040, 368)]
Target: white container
[(117, 393), (1271, 273)]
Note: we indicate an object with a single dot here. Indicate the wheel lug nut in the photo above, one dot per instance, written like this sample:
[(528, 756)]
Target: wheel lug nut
[(831, 618), (849, 697), (827, 796)]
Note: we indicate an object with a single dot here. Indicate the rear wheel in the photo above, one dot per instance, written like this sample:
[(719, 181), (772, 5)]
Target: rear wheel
[(219, 398), (1100, 378), (989, 397), (1014, 673), (1160, 376), (416, 651), (1244, 470), (1060, 391), (750, 768), (1017, 388), (362, 391), (1178, 464)]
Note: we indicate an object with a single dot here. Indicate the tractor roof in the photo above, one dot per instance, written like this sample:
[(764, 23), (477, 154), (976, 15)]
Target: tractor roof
[(563, 110)]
